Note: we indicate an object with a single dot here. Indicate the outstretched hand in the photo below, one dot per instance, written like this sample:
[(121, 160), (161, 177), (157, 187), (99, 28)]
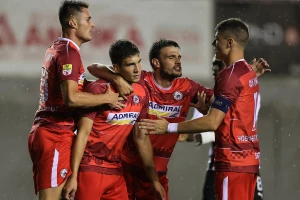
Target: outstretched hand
[(157, 126), (260, 66)]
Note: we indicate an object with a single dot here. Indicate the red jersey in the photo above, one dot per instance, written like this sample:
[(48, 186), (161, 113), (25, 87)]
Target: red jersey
[(171, 103), (110, 130), (62, 62), (236, 94)]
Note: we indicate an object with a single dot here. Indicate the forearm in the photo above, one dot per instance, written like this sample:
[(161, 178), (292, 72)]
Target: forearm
[(198, 125), (145, 150), (101, 71), (77, 152), (83, 99)]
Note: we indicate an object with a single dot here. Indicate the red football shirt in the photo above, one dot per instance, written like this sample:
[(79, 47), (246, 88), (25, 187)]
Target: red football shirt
[(236, 94), (171, 103), (110, 129), (62, 62)]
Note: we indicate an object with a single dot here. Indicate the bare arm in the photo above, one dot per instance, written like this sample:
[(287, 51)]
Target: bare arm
[(144, 148), (74, 98), (84, 128), (209, 122), (101, 71)]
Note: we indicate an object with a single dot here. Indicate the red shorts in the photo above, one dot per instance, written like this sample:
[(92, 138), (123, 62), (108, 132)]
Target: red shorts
[(50, 152), (97, 186), (234, 186), (141, 189)]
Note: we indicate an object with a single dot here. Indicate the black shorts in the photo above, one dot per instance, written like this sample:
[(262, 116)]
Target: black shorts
[(208, 188)]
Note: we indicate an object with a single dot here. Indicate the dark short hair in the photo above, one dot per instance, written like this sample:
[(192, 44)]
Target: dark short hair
[(122, 49), (158, 45), (235, 28), (219, 63), (68, 8)]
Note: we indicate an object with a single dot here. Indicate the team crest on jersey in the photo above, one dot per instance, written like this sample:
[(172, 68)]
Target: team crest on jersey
[(67, 69), (136, 99), (177, 95), (63, 173)]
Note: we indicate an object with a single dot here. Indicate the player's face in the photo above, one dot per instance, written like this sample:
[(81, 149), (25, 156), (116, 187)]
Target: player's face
[(170, 62), (85, 25), (221, 46), (131, 69)]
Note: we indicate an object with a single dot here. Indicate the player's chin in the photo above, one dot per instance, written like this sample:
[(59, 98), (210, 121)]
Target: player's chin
[(178, 74), (135, 80), (88, 38)]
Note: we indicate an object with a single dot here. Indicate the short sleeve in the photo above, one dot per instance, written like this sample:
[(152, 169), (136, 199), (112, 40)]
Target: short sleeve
[(69, 64), (196, 87), (144, 111), (227, 90), (227, 85)]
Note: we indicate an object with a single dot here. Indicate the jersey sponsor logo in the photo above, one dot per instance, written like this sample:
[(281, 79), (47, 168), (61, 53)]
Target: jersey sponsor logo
[(67, 69), (177, 95), (136, 99), (164, 110), (123, 118)]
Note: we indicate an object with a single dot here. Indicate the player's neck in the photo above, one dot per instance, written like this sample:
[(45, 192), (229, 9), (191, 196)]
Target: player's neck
[(233, 57), (69, 35), (161, 81)]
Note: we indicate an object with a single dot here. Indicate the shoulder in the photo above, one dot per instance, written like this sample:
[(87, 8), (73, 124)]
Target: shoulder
[(96, 87), (139, 89)]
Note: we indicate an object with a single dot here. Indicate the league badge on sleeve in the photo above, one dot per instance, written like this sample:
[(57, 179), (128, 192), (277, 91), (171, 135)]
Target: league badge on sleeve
[(67, 69)]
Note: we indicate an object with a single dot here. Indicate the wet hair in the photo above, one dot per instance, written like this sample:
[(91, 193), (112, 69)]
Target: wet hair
[(122, 49), (69, 8), (158, 45), (235, 28)]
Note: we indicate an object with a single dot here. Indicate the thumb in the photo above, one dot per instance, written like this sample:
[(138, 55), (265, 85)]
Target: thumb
[(254, 59), (159, 117), (108, 88)]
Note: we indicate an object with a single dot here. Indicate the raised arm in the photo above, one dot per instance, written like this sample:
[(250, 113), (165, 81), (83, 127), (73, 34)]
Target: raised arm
[(106, 72)]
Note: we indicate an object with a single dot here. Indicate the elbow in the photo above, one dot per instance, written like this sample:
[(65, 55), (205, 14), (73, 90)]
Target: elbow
[(214, 127), (70, 101), (90, 68)]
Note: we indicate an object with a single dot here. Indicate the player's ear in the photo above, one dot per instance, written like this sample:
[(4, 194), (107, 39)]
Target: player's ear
[(155, 63), (116, 68), (229, 42), (73, 23)]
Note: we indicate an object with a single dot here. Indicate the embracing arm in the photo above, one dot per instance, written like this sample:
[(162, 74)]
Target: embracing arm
[(74, 98), (107, 73)]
